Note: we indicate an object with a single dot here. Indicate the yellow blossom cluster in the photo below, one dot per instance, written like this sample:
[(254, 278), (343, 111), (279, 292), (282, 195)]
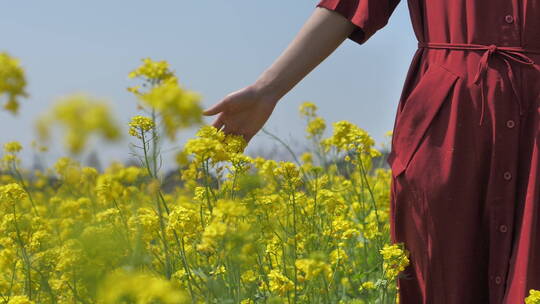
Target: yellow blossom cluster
[(308, 109), (11, 149), (213, 144), (533, 297), (139, 125), (80, 116), (12, 82), (152, 70), (279, 283), (375, 224), (140, 288), (12, 193), (367, 285), (395, 260), (347, 136), (311, 269), (20, 300), (315, 125), (176, 107)]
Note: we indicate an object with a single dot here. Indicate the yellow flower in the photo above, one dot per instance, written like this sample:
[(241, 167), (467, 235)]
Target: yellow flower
[(108, 188), (315, 127), (150, 70), (141, 288), (19, 300), (211, 237), (140, 125), (81, 116), (308, 109), (290, 174), (372, 222), (12, 147), (229, 208), (338, 256), (221, 269), (12, 82), (307, 157), (395, 259), (12, 193), (178, 108), (349, 137), (311, 269), (534, 297), (368, 285), (249, 276), (214, 144), (182, 158), (279, 283)]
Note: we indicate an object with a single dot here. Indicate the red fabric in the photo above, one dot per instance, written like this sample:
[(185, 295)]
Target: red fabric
[(465, 154), (368, 16)]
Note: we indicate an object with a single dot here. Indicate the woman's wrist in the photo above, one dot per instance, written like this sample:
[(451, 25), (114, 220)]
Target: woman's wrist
[(268, 90)]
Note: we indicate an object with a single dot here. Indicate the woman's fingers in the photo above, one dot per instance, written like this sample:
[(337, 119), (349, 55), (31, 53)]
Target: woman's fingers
[(228, 129), (218, 107), (212, 110), (218, 122)]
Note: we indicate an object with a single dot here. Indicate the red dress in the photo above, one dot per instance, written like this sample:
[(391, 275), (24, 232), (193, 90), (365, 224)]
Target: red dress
[(465, 153)]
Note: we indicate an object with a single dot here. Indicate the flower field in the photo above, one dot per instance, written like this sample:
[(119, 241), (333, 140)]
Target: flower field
[(236, 229)]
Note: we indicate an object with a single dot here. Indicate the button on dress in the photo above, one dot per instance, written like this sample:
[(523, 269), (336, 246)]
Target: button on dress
[(465, 152)]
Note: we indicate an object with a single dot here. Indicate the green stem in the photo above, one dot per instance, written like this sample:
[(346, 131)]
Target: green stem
[(28, 282), (25, 188)]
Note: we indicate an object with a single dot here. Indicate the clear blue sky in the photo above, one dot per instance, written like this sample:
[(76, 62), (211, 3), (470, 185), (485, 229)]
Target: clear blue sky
[(215, 47)]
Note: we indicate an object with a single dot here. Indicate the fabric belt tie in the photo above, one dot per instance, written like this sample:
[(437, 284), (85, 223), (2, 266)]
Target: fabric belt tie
[(511, 52)]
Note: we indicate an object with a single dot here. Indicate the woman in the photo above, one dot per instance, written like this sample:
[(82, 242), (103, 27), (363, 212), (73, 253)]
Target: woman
[(465, 154)]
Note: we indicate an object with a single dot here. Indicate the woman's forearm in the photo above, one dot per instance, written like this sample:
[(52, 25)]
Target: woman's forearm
[(320, 35)]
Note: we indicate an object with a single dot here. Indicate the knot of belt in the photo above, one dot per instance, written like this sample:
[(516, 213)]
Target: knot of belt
[(509, 52)]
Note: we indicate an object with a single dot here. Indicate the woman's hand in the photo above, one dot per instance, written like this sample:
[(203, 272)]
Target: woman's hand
[(242, 112)]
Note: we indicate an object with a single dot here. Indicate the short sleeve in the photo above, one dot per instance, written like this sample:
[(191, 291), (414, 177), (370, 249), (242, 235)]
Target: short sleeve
[(369, 16)]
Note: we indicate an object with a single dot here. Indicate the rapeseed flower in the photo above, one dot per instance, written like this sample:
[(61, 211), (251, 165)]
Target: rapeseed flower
[(140, 125), (12, 147), (152, 71), (308, 109), (338, 256), (310, 269), (178, 108), (349, 137), (279, 282), (140, 288), (534, 297), (10, 157), (368, 285), (12, 82), (20, 300), (81, 117), (315, 127), (289, 173), (371, 228), (395, 260), (12, 193), (215, 145)]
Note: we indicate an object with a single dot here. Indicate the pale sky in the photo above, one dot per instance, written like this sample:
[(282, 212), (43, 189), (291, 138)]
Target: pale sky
[(215, 47)]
